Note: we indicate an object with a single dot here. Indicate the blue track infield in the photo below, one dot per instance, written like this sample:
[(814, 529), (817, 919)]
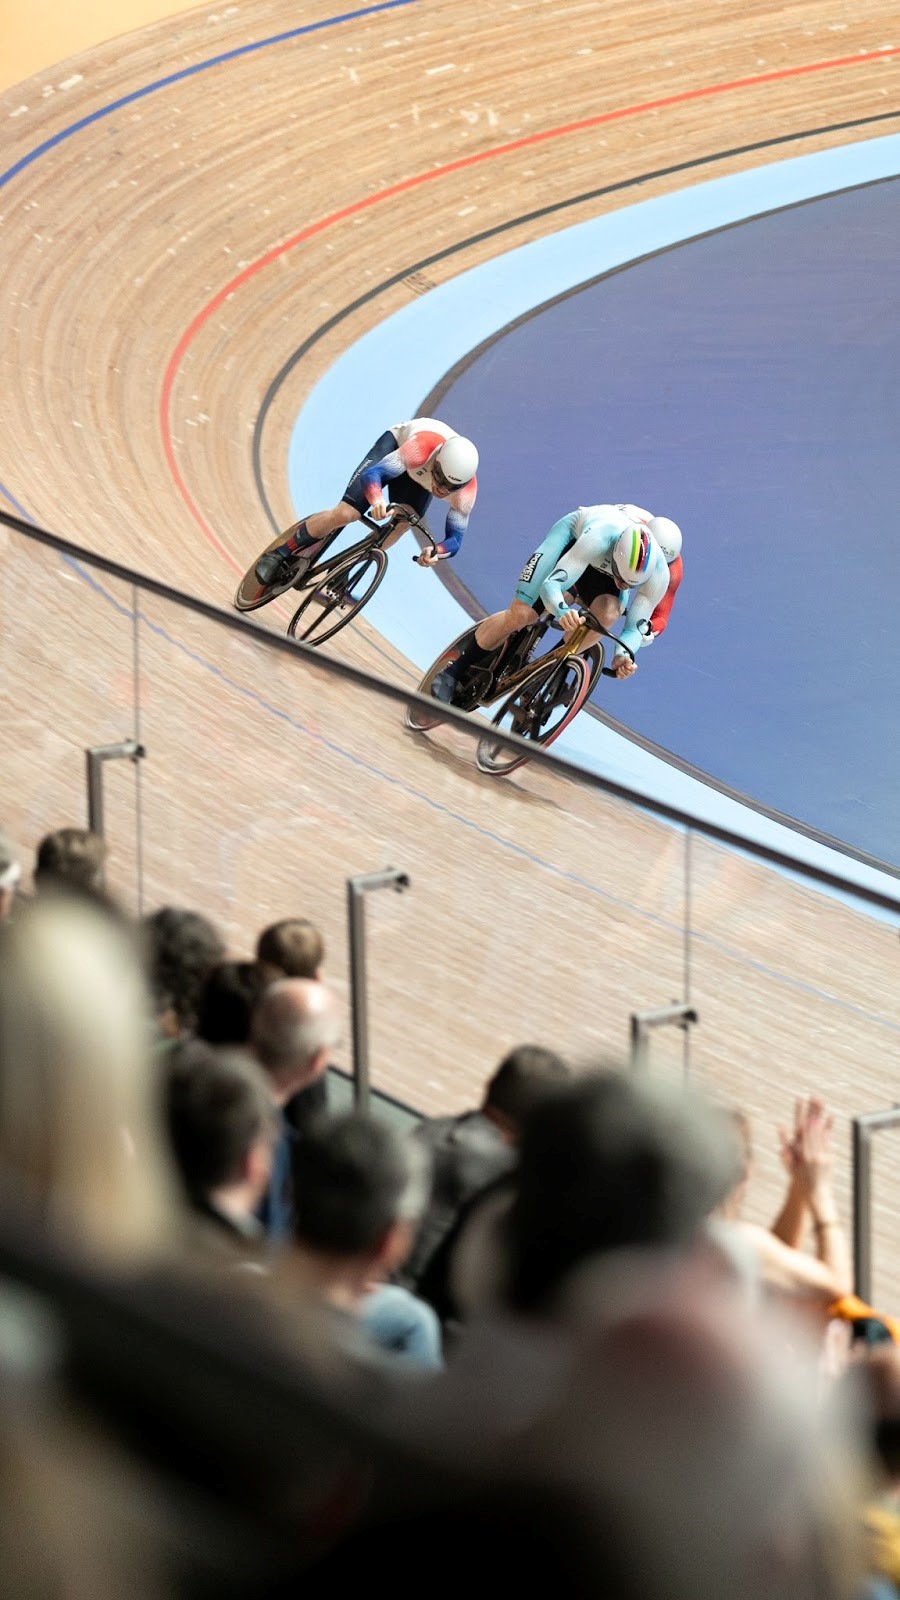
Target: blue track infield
[(741, 370), (748, 385)]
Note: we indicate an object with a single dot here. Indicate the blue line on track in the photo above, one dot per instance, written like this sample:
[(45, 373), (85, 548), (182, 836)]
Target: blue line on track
[(165, 83)]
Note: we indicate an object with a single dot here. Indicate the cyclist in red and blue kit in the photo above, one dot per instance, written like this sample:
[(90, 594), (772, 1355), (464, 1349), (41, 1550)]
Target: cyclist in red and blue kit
[(409, 464)]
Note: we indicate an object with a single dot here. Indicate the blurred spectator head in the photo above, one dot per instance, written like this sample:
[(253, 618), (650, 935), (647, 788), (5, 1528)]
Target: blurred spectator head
[(81, 1137), (613, 1162), (694, 1441), (882, 1371), (75, 1514), (359, 1191), (519, 1081), (222, 1124), (181, 949), (71, 858), (292, 948), (10, 873), (227, 1000), (294, 1030)]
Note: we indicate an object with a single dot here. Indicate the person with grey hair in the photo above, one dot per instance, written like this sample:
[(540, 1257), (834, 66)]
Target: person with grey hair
[(612, 1162), (294, 1029), (360, 1189), (10, 874)]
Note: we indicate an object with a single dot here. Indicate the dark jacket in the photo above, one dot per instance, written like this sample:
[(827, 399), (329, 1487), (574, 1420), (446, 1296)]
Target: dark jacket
[(469, 1155)]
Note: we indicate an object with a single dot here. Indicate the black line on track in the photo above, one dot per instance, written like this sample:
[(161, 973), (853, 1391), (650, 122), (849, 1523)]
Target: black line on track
[(458, 589), (508, 226)]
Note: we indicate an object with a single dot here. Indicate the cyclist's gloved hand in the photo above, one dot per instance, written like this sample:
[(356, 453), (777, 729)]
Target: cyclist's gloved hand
[(429, 557), (569, 619), (623, 666)]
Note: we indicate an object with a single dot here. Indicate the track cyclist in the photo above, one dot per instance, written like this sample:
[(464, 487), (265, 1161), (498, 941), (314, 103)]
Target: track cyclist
[(612, 560), (408, 464)]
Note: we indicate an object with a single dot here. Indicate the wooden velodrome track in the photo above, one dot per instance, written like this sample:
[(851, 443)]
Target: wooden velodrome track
[(158, 266)]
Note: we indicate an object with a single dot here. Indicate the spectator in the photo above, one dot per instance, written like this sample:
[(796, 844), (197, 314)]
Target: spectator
[(359, 1193), (81, 1139), (10, 874), (223, 1126), (469, 1153), (73, 859), (293, 948), (294, 1030), (781, 1265), (877, 1375), (230, 993), (612, 1162), (182, 947)]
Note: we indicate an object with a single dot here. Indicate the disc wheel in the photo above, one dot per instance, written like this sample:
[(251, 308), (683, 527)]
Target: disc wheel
[(250, 594), (538, 711), (335, 595), (417, 717)]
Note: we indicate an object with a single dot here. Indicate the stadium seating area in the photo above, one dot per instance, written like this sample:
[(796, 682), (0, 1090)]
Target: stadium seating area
[(275, 1345)]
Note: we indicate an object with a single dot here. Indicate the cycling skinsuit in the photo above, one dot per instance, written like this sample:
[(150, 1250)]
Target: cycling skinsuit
[(576, 555), (399, 459)]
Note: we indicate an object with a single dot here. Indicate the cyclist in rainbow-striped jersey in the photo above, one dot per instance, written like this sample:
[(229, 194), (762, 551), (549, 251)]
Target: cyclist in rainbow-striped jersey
[(614, 560)]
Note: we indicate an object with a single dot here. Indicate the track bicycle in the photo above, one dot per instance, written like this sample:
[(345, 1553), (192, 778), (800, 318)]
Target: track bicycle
[(337, 585), (539, 697)]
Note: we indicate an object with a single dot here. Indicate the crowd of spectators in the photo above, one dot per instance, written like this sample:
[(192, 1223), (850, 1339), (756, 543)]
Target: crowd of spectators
[(551, 1303)]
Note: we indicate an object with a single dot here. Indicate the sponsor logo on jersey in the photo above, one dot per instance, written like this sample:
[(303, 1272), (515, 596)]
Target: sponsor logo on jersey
[(530, 567)]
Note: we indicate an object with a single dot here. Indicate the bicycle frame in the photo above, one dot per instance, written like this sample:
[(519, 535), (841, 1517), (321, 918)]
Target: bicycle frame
[(571, 646), (405, 514)]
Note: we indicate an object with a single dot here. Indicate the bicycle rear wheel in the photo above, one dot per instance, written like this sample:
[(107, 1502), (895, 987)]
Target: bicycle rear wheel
[(538, 711), (418, 718), (336, 593)]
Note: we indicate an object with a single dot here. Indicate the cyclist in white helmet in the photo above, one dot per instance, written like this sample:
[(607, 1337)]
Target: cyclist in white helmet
[(607, 559), (409, 463), (668, 536)]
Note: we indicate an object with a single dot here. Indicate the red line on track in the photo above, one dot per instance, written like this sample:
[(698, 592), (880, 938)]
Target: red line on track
[(527, 142)]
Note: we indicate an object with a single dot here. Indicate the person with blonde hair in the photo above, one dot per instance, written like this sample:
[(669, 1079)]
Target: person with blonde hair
[(81, 1136)]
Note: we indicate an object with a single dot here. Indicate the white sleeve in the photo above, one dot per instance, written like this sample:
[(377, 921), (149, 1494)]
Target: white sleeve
[(575, 561), (644, 602)]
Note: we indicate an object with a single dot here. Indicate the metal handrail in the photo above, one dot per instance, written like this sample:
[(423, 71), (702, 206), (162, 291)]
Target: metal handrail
[(343, 669)]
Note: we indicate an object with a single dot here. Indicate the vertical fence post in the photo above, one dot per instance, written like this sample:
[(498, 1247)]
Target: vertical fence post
[(128, 750), (862, 1209), (863, 1129), (357, 888), (643, 1022)]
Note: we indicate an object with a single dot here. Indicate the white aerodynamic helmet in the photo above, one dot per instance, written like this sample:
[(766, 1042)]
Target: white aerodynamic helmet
[(667, 535), (455, 463)]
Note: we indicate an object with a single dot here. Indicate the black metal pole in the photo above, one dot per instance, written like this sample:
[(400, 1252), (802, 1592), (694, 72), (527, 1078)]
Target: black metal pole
[(862, 1209)]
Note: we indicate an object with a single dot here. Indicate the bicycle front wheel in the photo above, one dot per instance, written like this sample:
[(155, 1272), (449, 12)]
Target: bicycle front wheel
[(336, 594), (538, 711)]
